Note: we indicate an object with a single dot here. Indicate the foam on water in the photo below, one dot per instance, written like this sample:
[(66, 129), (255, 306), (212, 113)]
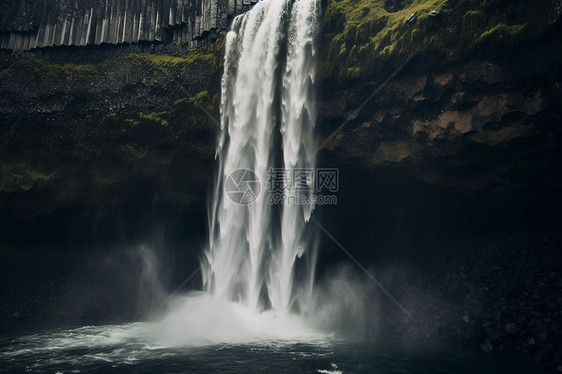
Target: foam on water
[(196, 326), (199, 319)]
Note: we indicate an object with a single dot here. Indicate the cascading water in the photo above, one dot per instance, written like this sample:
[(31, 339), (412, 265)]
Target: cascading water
[(267, 90)]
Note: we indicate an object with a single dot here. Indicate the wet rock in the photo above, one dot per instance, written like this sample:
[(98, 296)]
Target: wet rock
[(542, 354), (400, 129), (512, 328), (487, 347), (38, 24)]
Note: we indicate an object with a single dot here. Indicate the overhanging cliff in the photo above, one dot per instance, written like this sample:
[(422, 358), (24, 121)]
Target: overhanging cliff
[(26, 24)]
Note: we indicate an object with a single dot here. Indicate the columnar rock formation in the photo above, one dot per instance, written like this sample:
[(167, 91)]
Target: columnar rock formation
[(29, 24)]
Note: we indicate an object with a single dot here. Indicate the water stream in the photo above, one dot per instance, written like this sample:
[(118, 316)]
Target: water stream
[(267, 117)]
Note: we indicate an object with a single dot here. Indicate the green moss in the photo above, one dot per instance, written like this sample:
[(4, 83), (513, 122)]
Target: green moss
[(108, 176), (23, 177), (200, 54), (71, 71), (370, 33), (201, 96), (74, 71), (220, 43), (132, 122), (45, 70), (354, 72), (180, 108), (502, 30), (133, 152), (180, 101), (367, 25), (166, 62), (155, 117)]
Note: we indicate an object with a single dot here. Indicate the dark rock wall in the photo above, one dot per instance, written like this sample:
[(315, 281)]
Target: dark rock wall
[(25, 25), (487, 124), (80, 123)]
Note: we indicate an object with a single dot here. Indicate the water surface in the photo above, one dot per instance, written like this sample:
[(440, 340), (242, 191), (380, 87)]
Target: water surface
[(127, 349)]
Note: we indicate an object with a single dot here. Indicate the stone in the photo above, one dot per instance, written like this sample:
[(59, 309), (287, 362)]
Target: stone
[(511, 328), (83, 22), (487, 347)]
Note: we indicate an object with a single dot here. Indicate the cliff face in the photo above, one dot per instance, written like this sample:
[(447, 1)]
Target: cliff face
[(481, 125), (26, 25), (483, 119), (473, 115), (364, 38), (75, 134), (468, 132), (463, 143)]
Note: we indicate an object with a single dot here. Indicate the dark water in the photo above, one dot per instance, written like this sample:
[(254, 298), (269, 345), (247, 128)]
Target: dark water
[(122, 349)]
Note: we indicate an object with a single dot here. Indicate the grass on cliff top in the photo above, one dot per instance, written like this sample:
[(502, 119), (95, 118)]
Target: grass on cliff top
[(196, 55), (166, 61), (143, 60), (46, 69), (361, 35)]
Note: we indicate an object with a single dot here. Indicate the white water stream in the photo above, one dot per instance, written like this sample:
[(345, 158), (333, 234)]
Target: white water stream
[(261, 255)]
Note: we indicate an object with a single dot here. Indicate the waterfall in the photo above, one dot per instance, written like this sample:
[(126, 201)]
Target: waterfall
[(262, 255)]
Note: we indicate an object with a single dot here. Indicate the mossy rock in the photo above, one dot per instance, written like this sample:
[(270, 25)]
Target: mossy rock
[(361, 36), (23, 177), (75, 134)]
